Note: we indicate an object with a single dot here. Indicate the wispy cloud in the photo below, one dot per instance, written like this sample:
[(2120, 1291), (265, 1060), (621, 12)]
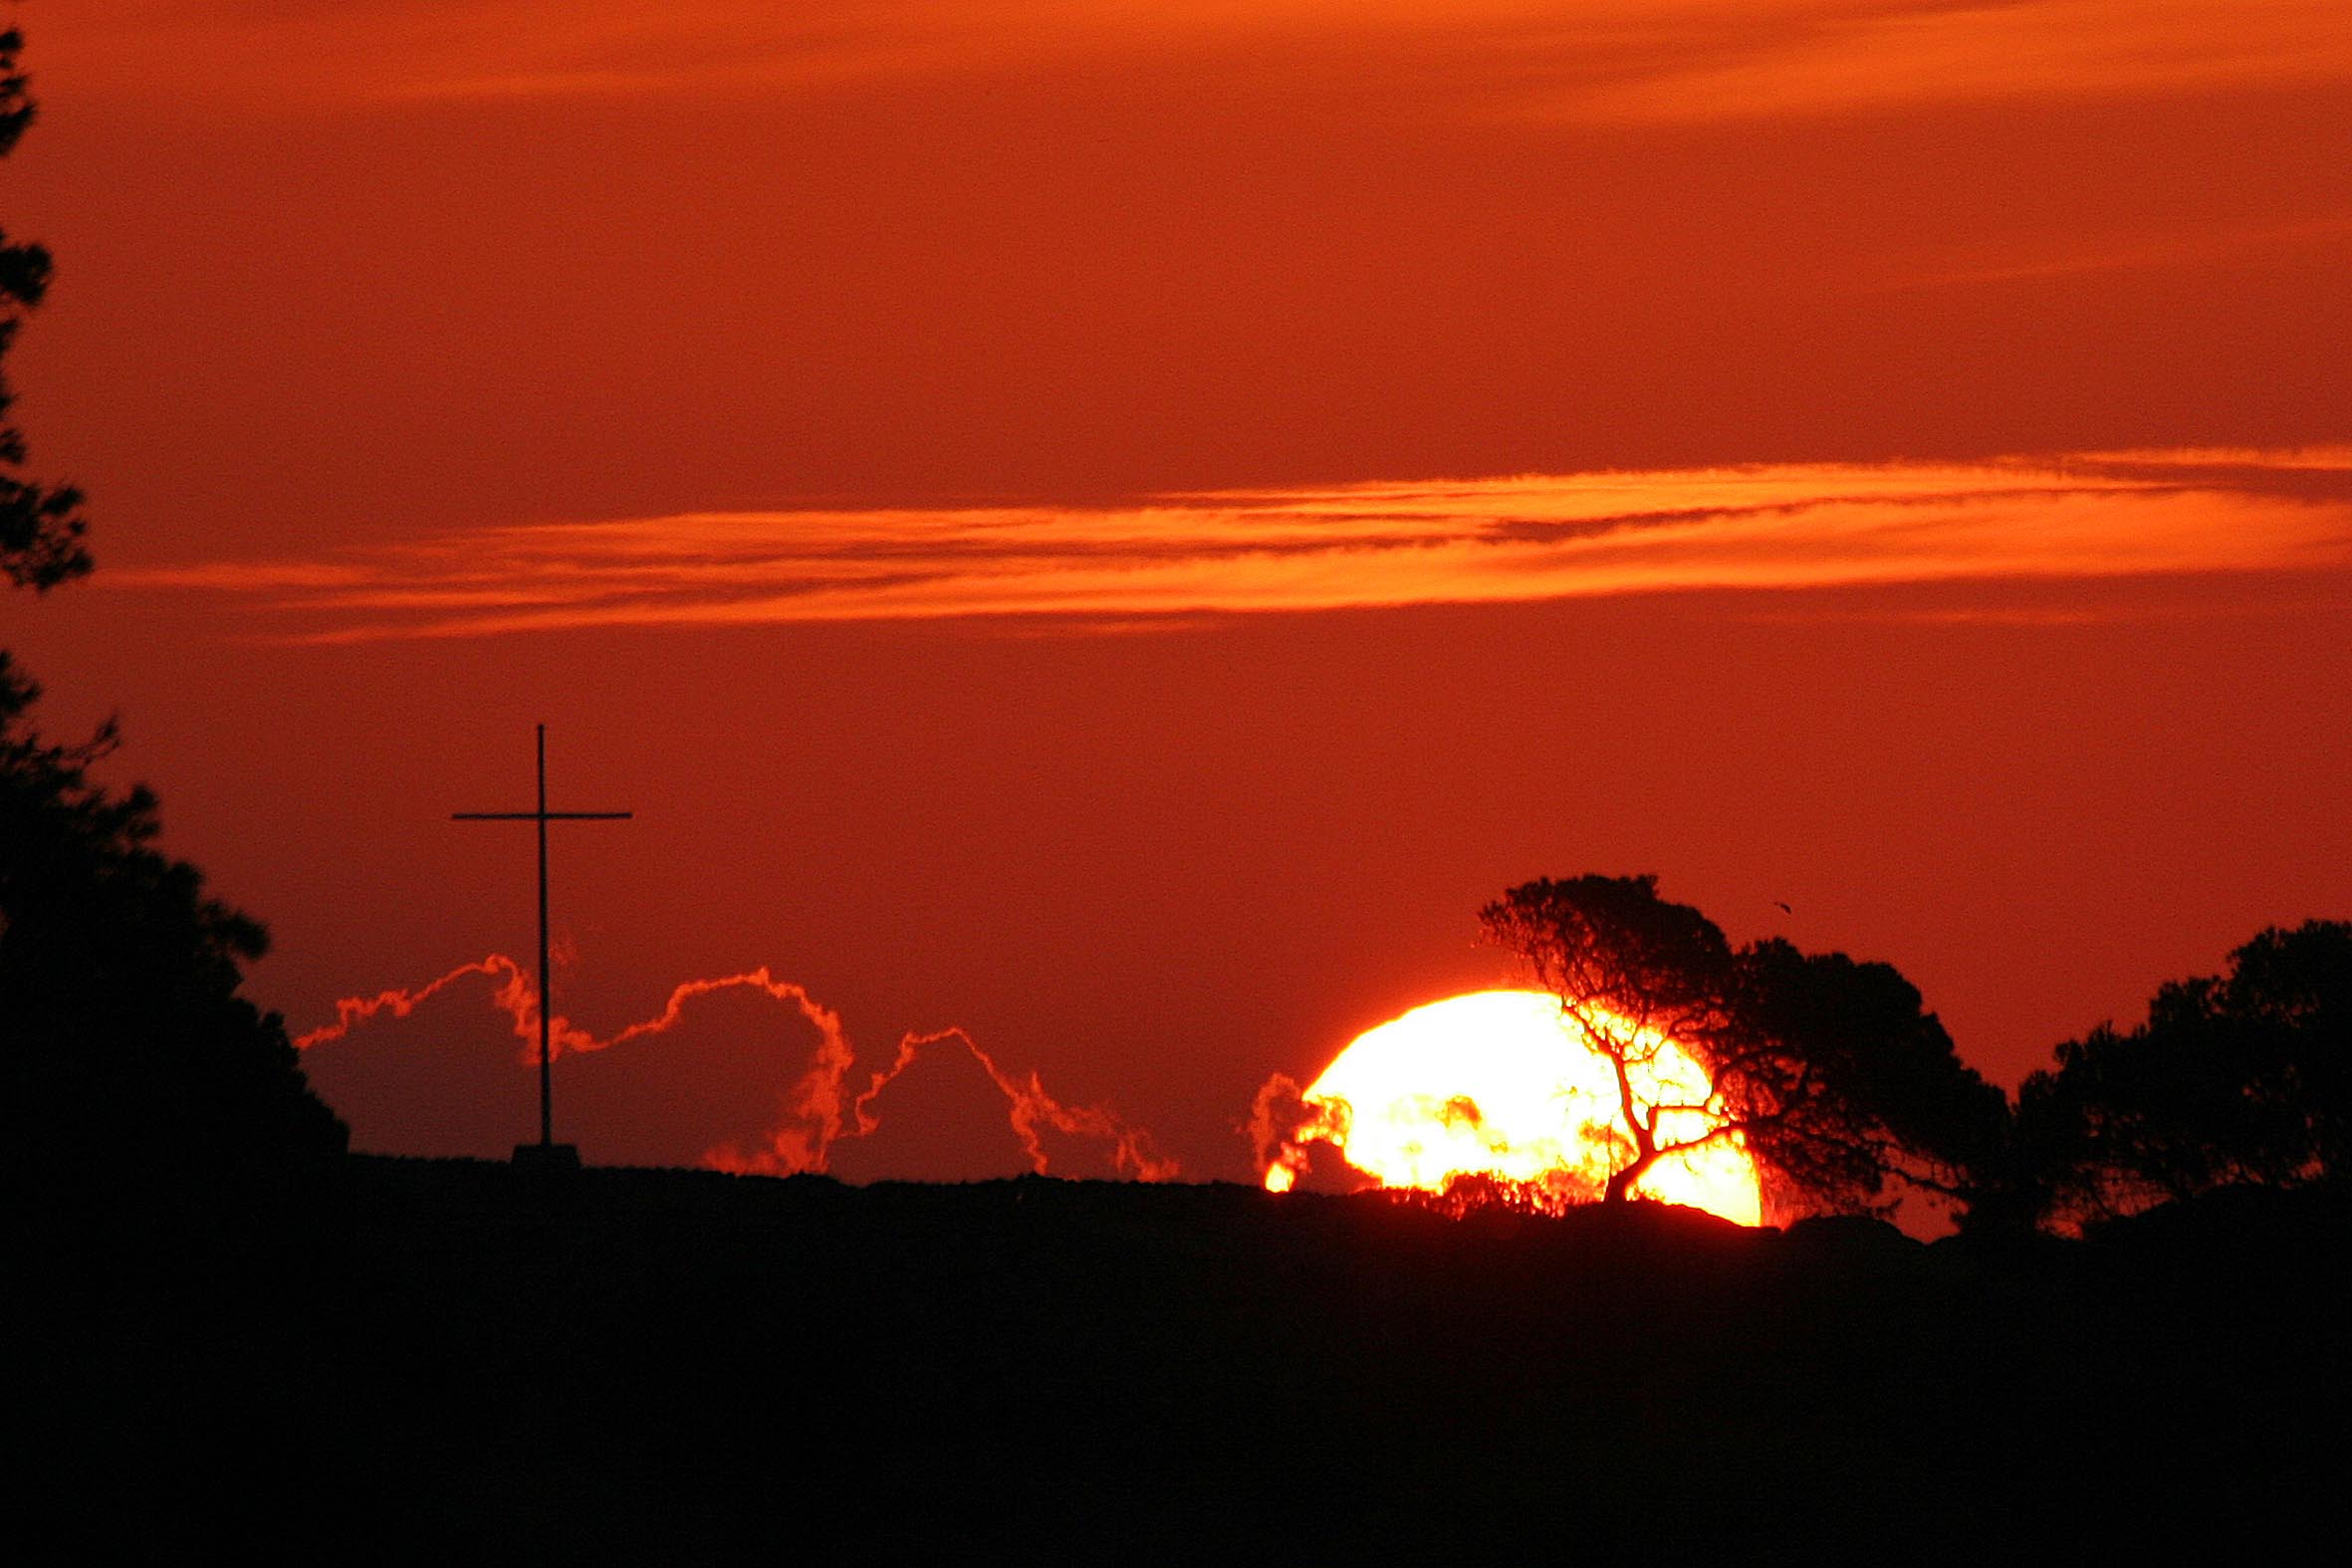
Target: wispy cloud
[(1483, 540), (2212, 247), (1608, 60), (1876, 57)]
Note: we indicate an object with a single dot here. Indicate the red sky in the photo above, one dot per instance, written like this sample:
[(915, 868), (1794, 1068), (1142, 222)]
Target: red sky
[(1119, 526)]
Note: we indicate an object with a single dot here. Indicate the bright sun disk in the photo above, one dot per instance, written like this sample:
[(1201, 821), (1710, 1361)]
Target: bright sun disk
[(1502, 1083)]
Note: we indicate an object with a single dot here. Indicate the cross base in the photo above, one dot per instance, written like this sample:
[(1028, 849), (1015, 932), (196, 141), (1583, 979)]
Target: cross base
[(549, 1159)]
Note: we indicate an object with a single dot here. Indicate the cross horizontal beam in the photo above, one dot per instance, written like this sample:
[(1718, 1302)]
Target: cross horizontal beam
[(541, 817)]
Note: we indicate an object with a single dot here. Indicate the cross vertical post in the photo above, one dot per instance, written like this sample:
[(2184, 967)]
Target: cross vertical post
[(547, 1093), (541, 817)]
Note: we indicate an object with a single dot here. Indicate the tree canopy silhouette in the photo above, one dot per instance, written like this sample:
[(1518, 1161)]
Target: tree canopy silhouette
[(1828, 1070), (2243, 1079), (41, 527)]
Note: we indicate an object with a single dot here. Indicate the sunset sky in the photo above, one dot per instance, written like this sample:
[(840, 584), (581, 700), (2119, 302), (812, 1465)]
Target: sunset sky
[(1116, 526)]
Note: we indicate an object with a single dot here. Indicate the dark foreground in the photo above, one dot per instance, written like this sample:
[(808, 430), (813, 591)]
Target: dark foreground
[(426, 1357)]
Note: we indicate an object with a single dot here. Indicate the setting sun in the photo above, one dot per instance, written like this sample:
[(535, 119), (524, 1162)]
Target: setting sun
[(1500, 1083)]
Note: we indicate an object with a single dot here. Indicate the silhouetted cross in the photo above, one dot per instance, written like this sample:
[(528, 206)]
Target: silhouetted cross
[(543, 816)]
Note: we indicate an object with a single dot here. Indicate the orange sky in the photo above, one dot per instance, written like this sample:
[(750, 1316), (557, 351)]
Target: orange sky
[(1118, 527)]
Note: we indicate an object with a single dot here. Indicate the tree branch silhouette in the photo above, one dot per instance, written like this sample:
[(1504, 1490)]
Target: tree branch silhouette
[(41, 527)]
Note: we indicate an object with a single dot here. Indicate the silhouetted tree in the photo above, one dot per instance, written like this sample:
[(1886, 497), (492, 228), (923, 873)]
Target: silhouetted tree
[(1828, 1070), (2243, 1079), (128, 1045), (41, 528)]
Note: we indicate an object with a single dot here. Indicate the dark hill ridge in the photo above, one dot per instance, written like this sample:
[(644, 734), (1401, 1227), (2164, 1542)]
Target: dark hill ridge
[(435, 1354)]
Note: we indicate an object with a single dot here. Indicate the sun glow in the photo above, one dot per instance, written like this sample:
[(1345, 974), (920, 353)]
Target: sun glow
[(1500, 1084)]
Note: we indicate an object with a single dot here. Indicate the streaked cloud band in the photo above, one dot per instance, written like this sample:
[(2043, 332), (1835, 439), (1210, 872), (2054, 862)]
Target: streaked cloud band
[(1360, 545)]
